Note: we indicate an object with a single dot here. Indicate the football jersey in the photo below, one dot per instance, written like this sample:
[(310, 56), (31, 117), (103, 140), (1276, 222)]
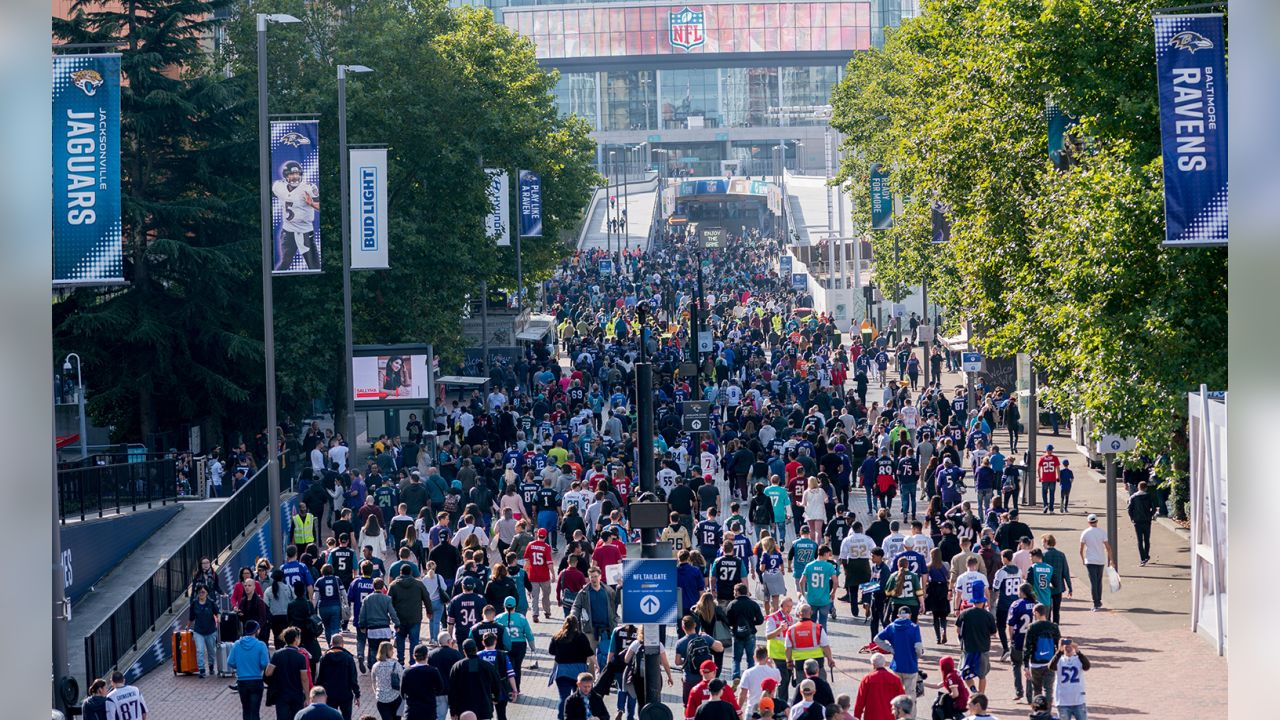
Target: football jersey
[(298, 216), (678, 537), (709, 533), (1068, 681), (1020, 618), (966, 582), (1005, 585), (802, 552), (1040, 575), (125, 703), (857, 546), (464, 610), (770, 562)]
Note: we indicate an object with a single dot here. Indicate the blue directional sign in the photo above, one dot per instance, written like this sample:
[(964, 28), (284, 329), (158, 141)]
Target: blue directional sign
[(971, 362), (799, 281), (649, 592), (784, 264)]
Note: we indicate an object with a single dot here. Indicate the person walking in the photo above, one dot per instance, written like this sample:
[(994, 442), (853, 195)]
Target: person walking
[(585, 703), (473, 684), (902, 638), (571, 649), (1069, 666), (289, 675), (377, 618), (1142, 512), (517, 636), (1048, 466), (319, 709), (94, 706), (278, 595), (408, 597), (1095, 553), (876, 692), (1039, 648), (388, 681), (975, 625), (1061, 581), (422, 686), (202, 621), (248, 659), (336, 673)]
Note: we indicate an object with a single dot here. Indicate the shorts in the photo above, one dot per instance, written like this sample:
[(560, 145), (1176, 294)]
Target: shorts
[(976, 665), (774, 584)]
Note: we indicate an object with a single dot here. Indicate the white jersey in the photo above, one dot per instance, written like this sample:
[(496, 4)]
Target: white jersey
[(910, 417), (710, 464), (298, 214), (921, 543), (125, 703), (893, 545), (857, 546), (667, 479), (680, 454), (580, 498), (1068, 681), (966, 582)]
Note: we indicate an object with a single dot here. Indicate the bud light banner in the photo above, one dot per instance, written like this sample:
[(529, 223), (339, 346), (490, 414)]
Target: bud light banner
[(1191, 72), (496, 223), (881, 199), (295, 196), (369, 209), (87, 237), (530, 204)]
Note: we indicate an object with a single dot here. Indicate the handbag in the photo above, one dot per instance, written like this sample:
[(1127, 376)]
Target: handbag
[(315, 625), (720, 631), (395, 677)]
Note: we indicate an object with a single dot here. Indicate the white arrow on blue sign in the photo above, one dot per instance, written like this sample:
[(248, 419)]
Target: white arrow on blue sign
[(649, 593)]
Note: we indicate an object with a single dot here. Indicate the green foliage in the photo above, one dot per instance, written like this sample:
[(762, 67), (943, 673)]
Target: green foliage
[(1065, 265)]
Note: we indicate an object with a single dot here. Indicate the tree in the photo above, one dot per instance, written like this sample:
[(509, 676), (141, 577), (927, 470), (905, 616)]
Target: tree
[(1066, 265), (172, 347)]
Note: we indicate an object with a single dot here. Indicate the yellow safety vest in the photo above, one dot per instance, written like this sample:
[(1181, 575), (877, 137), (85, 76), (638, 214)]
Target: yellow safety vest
[(777, 648), (304, 531)]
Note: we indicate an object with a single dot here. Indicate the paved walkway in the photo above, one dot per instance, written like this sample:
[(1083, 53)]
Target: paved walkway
[(639, 204), (1147, 662)]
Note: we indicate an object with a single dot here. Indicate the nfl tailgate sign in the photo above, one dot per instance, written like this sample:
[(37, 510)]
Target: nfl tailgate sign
[(688, 29)]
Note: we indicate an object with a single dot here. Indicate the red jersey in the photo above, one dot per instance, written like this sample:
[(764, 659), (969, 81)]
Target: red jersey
[(794, 470), (698, 694), (797, 485), (622, 484), (537, 561), (1048, 465), (606, 554)]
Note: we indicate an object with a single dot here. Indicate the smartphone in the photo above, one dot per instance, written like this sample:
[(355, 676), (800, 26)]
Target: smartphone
[(1066, 641)]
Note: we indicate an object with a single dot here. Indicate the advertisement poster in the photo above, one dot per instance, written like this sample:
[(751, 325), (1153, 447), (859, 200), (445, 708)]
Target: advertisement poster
[(881, 199), (369, 209), (87, 236), (530, 204), (391, 377), (1192, 75), (295, 196), (496, 223)]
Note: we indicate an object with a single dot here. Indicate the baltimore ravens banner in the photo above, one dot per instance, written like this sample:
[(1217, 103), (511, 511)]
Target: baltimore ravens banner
[(1191, 71), (530, 204), (940, 222), (496, 222), (368, 184), (87, 238), (881, 199), (295, 196)]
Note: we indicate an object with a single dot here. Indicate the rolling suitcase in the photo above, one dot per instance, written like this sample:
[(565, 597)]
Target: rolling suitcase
[(224, 652), (184, 653), (229, 628)]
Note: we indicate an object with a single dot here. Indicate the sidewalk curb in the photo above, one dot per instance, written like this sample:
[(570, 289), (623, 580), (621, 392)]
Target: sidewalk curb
[(1174, 528)]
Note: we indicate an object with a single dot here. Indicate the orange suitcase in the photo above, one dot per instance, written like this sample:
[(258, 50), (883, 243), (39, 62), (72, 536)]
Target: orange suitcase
[(184, 653)]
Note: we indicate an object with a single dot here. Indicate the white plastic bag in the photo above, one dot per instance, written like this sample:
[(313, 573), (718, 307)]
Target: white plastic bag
[(1113, 577)]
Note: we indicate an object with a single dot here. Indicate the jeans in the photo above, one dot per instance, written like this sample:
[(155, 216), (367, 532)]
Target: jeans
[(908, 491), (412, 631), (1041, 683), (984, 499), (820, 614), (745, 647), (433, 623), (206, 650), (1095, 583), (332, 617), (250, 698), (566, 686), (362, 641), (547, 521), (1144, 540), (1048, 492), (1073, 712), (1016, 659), (287, 710), (779, 532)]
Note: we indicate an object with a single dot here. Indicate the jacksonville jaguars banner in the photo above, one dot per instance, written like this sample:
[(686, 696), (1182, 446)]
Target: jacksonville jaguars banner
[(530, 204), (368, 184), (87, 238), (1191, 71), (497, 223), (295, 196), (881, 199)]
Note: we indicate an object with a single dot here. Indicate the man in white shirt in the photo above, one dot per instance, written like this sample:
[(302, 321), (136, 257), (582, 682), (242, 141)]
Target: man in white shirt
[(710, 464), (753, 678), (855, 559), (468, 529), (918, 540), (125, 702), (1095, 552), (216, 471), (894, 542), (317, 457), (338, 454), (968, 582), (978, 708)]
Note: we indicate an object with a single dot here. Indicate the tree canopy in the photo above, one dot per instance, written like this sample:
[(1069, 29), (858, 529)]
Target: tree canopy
[(1064, 264)]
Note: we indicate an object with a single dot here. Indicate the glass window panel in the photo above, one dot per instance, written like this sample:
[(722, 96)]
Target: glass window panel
[(770, 38), (803, 39), (650, 41), (570, 21), (632, 19), (539, 23), (648, 18), (833, 37), (863, 14), (617, 43), (740, 17), (787, 38), (864, 38), (757, 17), (726, 40), (804, 15), (633, 42), (602, 20), (787, 16), (848, 38), (848, 14), (555, 46), (586, 21)]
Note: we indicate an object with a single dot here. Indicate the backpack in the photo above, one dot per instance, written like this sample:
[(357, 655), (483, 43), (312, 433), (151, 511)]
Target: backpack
[(762, 514), (697, 651), (1043, 651), (451, 502)]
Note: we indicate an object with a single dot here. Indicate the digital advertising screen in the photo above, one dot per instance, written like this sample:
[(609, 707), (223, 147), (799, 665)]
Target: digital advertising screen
[(388, 377)]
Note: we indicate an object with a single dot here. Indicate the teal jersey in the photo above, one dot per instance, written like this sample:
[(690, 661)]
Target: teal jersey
[(780, 498), (1040, 575), (802, 552), (817, 582), (517, 629)]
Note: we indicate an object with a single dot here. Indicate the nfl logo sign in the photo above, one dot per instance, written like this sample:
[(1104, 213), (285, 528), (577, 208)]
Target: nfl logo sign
[(687, 29)]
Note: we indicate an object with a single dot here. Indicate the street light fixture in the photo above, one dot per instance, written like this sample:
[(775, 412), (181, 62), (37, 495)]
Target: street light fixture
[(66, 368), (349, 426), (268, 309)]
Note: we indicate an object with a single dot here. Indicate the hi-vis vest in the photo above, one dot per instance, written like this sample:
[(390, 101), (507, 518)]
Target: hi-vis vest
[(777, 648), (804, 640), (304, 530)]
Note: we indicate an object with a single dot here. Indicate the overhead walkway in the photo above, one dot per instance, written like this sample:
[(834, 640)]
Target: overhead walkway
[(639, 200)]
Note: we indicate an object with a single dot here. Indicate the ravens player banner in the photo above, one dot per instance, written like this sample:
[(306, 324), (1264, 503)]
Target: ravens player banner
[(1192, 77), (295, 196), (87, 237)]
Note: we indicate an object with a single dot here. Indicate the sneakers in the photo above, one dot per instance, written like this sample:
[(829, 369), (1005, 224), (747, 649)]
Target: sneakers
[(202, 673), (1005, 656), (363, 669)]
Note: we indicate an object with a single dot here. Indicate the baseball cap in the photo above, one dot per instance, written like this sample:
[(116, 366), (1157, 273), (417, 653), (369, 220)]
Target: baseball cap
[(542, 532), (1048, 448), (766, 703), (769, 685), (1092, 518), (708, 666), (509, 602), (468, 583)]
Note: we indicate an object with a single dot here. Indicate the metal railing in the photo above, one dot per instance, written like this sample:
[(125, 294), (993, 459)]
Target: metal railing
[(135, 617), (96, 489)]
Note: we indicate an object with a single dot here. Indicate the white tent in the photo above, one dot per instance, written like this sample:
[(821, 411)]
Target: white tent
[(1207, 435)]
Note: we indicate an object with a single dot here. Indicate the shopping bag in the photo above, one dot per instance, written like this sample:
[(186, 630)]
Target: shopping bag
[(1113, 577)]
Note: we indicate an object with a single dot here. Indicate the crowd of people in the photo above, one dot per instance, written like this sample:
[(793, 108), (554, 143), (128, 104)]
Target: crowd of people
[(831, 485)]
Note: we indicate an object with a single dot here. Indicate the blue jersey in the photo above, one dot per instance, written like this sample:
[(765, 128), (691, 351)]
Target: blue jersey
[(539, 462), (360, 588), (295, 572), (769, 562), (915, 561), (708, 534), (742, 545), (1021, 616), (512, 459)]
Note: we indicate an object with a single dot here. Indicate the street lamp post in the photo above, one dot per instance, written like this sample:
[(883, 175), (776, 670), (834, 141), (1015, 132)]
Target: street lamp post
[(268, 311), (349, 429), (610, 210), (66, 368)]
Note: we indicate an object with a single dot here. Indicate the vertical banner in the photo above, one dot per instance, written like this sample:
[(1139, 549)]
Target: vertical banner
[(1060, 146), (295, 196), (530, 204), (368, 184), (881, 199), (1191, 72), (87, 237), (941, 223), (495, 223)]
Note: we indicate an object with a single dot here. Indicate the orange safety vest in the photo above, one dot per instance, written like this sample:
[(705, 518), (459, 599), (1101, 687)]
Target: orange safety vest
[(804, 640)]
